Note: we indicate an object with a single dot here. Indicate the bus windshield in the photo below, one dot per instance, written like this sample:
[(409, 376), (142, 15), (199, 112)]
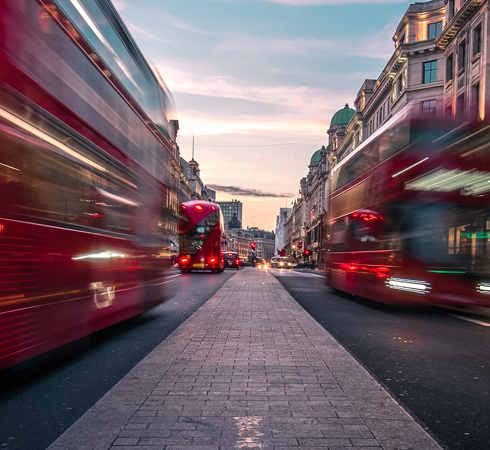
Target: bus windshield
[(193, 240)]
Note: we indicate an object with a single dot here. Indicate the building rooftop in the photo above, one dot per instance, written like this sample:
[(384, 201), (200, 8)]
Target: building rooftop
[(342, 116), (316, 157)]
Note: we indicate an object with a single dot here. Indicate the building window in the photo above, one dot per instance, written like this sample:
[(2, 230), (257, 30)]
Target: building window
[(476, 100), (398, 85), (448, 111), (434, 30), (461, 55), (430, 72), (477, 40), (449, 67), (460, 106), (450, 9), (429, 108)]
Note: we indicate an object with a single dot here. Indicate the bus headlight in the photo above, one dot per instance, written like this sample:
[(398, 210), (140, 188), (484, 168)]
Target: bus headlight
[(483, 288), (403, 284)]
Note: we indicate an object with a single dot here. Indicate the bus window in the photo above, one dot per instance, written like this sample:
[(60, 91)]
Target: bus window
[(358, 164), (395, 138)]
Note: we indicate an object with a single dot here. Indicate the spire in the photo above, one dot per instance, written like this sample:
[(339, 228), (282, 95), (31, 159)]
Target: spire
[(192, 146)]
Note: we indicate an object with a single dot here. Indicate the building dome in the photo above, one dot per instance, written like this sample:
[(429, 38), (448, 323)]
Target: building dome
[(342, 116), (234, 223), (317, 157)]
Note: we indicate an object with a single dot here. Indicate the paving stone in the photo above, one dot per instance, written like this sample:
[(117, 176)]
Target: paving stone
[(250, 369)]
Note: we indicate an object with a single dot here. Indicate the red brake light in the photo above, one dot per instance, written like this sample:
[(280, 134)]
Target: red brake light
[(184, 260), (212, 260), (199, 207), (230, 254), (213, 208), (184, 207)]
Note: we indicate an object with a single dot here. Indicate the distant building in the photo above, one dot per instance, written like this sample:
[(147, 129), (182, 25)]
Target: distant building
[(239, 241), (264, 241), (294, 230), (280, 222), (232, 210), (234, 223)]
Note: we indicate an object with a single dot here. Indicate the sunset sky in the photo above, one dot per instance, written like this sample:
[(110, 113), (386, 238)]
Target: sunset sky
[(257, 82)]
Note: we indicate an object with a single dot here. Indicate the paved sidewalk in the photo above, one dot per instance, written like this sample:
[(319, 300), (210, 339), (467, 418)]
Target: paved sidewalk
[(249, 370)]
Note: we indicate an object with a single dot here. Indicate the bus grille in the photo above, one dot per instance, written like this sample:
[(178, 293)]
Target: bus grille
[(19, 330), (21, 263)]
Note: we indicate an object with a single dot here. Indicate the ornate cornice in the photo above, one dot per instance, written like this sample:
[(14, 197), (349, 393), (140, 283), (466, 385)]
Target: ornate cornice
[(459, 19)]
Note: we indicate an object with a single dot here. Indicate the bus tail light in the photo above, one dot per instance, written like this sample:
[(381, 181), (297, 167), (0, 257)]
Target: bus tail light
[(212, 260), (382, 272), (184, 260)]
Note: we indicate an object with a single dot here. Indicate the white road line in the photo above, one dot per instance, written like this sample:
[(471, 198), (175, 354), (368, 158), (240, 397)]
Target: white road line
[(168, 281), (178, 275), (479, 322)]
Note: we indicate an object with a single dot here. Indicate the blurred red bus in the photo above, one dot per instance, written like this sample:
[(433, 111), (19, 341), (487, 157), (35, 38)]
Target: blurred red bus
[(85, 187), (409, 215), (201, 232)]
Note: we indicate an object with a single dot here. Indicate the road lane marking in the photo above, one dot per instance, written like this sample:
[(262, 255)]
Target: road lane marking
[(479, 322), (168, 281)]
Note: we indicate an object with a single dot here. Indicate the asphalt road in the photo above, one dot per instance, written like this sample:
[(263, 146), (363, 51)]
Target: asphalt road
[(437, 365), (39, 402)]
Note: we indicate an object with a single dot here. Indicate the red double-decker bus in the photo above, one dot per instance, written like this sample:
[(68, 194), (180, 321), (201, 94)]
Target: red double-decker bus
[(201, 234), (409, 215), (86, 193)]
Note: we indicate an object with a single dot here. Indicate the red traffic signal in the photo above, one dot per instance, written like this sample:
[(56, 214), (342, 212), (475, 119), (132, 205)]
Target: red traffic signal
[(253, 245), (306, 252)]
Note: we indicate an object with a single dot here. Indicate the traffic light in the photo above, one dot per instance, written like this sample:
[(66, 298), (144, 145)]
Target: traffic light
[(306, 252), (253, 245)]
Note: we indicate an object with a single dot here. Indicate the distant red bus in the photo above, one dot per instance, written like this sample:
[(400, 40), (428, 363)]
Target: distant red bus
[(409, 215), (201, 233), (85, 188)]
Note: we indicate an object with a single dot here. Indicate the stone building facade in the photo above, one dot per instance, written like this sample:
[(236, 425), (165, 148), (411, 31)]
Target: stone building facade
[(464, 41), (414, 75)]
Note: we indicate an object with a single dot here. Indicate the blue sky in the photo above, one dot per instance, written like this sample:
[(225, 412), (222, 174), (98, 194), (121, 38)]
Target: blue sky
[(258, 81)]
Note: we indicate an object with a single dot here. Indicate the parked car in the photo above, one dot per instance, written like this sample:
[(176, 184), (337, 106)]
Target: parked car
[(232, 261)]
